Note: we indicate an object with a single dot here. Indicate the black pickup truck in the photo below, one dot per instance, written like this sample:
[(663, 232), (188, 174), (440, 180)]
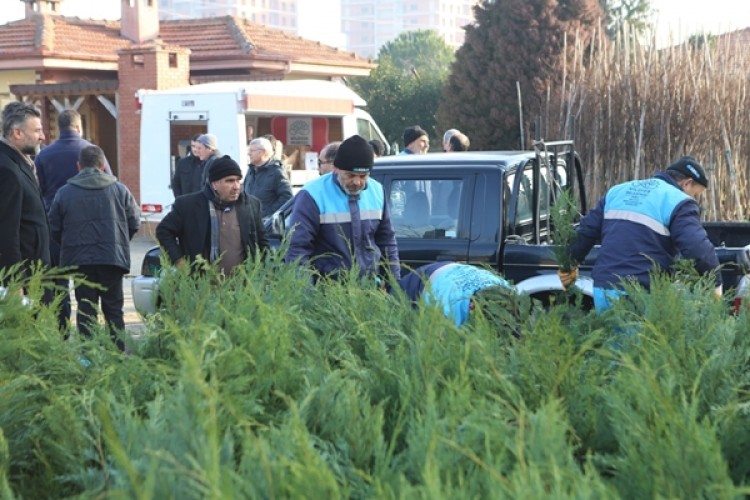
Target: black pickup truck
[(494, 209)]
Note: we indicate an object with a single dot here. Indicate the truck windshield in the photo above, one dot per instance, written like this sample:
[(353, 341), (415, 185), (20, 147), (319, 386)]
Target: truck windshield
[(422, 208)]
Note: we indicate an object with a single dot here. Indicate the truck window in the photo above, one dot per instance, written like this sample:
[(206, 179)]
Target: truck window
[(525, 197), (549, 191), (425, 208), (544, 194)]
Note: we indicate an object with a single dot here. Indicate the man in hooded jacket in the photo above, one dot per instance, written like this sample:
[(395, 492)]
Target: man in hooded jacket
[(92, 218)]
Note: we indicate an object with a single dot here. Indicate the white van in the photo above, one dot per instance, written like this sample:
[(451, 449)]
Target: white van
[(304, 115)]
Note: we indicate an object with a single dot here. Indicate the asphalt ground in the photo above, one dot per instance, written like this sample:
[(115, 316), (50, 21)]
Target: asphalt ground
[(139, 245)]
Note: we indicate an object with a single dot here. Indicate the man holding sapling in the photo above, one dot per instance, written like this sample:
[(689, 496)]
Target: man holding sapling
[(643, 223)]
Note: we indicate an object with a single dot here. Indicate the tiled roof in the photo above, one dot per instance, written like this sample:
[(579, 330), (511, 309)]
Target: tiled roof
[(65, 37), (209, 39), (221, 37)]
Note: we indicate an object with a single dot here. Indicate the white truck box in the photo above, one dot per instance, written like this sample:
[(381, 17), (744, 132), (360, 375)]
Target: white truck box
[(303, 114)]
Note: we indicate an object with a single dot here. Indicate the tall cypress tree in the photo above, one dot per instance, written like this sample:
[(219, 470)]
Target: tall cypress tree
[(512, 41)]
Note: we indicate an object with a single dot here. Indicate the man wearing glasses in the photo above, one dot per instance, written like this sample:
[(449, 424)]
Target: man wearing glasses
[(265, 177), (326, 156)]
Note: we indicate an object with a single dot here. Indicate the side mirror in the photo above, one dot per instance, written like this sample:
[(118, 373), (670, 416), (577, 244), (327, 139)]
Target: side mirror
[(278, 224)]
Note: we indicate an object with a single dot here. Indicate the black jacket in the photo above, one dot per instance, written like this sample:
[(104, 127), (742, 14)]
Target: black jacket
[(24, 231), (92, 219), (186, 230), (189, 176), (58, 162), (269, 184)]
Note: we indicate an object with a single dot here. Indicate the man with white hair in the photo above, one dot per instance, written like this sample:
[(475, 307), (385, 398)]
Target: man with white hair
[(447, 138), (265, 177), (207, 150)]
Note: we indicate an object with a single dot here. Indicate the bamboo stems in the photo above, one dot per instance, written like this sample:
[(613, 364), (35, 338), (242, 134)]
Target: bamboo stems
[(637, 109)]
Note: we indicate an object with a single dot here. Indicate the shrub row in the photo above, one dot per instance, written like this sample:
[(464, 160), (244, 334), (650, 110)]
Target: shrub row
[(265, 386)]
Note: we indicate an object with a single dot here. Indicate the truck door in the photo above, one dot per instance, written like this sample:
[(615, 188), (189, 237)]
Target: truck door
[(162, 133), (430, 214)]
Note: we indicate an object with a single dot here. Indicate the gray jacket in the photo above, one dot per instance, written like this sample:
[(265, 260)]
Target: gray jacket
[(92, 218), (269, 184)]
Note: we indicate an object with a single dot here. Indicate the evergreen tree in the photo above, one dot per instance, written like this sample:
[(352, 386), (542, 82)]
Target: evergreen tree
[(423, 51), (635, 13), (513, 41), (405, 88)]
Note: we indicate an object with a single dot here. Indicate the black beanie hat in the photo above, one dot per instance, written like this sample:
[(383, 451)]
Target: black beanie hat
[(223, 167), (411, 134), (355, 155), (688, 167)]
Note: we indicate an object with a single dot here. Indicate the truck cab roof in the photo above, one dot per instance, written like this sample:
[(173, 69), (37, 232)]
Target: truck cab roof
[(504, 160)]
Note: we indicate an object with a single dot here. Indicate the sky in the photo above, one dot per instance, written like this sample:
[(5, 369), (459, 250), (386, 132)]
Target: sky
[(319, 18), (682, 18)]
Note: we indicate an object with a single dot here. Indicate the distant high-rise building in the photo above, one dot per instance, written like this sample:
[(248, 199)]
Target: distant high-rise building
[(281, 14), (368, 24)]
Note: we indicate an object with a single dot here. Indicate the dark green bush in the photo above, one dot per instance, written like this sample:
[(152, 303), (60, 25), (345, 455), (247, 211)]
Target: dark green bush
[(262, 385)]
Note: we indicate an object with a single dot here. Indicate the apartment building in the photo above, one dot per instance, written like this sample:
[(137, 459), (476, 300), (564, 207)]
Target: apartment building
[(280, 14), (368, 24)]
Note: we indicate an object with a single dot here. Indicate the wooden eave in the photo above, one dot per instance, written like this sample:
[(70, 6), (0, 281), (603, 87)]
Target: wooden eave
[(70, 88)]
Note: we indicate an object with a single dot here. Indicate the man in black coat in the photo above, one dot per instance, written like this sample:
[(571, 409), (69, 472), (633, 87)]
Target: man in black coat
[(58, 162), (188, 174), (220, 223), (55, 164), (92, 219), (24, 232)]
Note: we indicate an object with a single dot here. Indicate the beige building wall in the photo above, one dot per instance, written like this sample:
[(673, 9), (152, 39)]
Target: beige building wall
[(368, 24), (281, 14), (13, 77)]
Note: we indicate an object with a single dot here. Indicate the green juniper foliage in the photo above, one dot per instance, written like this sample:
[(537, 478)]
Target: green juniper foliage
[(261, 385), (564, 214)]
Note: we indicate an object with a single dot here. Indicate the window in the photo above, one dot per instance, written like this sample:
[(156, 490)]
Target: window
[(524, 200), (137, 60), (550, 188), (366, 130), (425, 208)]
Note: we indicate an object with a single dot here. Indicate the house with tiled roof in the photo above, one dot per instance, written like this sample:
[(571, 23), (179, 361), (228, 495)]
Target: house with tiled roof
[(96, 67)]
